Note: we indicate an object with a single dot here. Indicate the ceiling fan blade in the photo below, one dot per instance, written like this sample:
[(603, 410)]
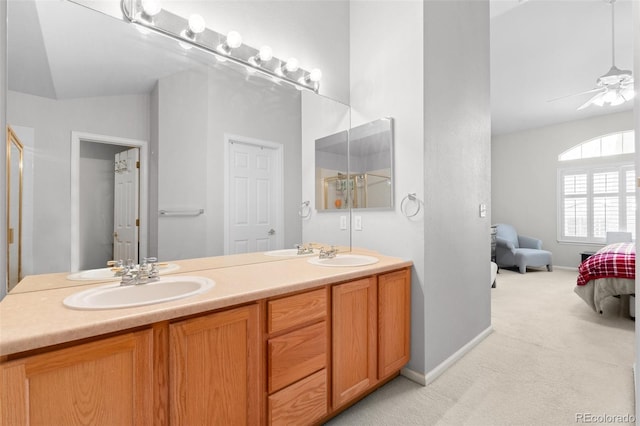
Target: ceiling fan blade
[(597, 89), (591, 101)]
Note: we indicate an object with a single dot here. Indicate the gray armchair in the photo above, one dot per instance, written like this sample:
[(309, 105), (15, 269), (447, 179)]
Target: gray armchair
[(517, 250)]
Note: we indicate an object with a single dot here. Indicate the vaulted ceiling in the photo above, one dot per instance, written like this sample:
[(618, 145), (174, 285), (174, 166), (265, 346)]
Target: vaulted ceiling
[(545, 49)]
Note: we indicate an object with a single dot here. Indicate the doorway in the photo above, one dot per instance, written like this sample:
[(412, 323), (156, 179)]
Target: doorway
[(253, 195), (93, 197)]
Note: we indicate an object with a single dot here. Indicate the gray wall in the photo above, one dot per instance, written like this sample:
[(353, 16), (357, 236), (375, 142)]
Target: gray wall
[(53, 121), (457, 175), (442, 153), (389, 84), (3, 152), (524, 178)]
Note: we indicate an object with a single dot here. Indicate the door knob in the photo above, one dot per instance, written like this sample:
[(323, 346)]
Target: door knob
[(271, 231)]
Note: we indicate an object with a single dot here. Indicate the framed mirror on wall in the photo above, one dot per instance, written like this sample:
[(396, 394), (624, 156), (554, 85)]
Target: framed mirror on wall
[(354, 169), (15, 155)]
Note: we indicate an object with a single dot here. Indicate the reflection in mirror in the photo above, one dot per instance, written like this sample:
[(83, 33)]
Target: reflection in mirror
[(371, 164), (14, 209), (193, 113), (332, 187)]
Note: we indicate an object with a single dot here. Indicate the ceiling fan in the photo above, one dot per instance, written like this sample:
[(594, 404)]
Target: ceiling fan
[(613, 88)]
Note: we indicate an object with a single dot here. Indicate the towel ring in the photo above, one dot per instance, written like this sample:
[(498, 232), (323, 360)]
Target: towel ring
[(410, 197), (304, 211)]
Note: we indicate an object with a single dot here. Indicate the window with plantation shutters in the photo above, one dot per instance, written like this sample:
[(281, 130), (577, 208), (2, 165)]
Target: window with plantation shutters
[(599, 197)]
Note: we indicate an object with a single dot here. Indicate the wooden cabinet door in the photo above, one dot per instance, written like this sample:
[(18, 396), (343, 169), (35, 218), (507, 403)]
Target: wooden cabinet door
[(214, 369), (394, 317), (106, 382), (354, 339)]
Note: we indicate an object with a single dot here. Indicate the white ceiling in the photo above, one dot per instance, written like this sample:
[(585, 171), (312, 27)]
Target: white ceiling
[(544, 49), (540, 49)]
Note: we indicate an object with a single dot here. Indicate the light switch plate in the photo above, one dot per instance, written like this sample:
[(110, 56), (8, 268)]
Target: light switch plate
[(357, 223), (343, 222), (483, 210)]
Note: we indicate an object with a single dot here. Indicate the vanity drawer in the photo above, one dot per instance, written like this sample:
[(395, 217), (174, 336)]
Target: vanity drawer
[(296, 355), (295, 310), (302, 403)]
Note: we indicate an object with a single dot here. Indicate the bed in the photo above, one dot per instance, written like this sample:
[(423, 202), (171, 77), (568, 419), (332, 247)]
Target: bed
[(611, 271)]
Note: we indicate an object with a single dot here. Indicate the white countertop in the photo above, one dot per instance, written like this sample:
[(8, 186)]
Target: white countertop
[(36, 319)]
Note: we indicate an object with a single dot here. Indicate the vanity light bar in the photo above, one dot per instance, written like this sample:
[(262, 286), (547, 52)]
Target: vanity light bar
[(222, 46)]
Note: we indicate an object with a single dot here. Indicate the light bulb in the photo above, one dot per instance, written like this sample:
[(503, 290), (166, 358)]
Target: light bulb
[(234, 39), (196, 24), (265, 54), (151, 7), (315, 75), (292, 65)]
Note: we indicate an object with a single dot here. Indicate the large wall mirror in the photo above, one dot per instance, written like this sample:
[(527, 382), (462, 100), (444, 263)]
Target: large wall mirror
[(190, 121), (15, 155)]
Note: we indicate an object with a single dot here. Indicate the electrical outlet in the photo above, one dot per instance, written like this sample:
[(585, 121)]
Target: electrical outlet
[(343, 222), (357, 223)]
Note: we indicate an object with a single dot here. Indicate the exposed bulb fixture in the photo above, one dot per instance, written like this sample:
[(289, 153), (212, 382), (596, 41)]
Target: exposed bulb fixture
[(265, 54), (312, 78), (292, 65), (315, 75), (233, 41), (150, 8), (147, 15), (196, 25)]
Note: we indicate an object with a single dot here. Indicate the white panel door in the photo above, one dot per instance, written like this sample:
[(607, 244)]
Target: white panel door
[(253, 172), (126, 205)]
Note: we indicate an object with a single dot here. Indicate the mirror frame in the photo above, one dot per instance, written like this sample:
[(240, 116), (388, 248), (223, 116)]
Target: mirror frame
[(14, 143)]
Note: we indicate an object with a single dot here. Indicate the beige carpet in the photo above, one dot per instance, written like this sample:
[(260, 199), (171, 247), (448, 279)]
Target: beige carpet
[(550, 360)]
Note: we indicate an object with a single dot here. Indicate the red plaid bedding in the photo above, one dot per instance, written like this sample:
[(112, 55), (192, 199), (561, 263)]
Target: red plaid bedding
[(613, 261)]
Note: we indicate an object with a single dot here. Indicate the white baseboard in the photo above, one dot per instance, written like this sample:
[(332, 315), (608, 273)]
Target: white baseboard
[(424, 380), (414, 376)]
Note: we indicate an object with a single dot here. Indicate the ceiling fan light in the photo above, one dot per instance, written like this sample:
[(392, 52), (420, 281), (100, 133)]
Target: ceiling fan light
[(609, 96), (628, 93), (619, 100)]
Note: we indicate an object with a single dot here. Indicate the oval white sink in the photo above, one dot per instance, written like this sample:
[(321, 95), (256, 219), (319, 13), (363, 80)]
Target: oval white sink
[(345, 260), (104, 274), (286, 253), (114, 296)]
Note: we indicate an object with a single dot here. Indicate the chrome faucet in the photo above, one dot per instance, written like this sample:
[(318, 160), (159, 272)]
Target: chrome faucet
[(302, 249), (328, 254), (140, 274)]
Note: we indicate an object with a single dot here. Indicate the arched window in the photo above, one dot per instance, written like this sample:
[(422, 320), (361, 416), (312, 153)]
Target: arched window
[(603, 146), (596, 189)]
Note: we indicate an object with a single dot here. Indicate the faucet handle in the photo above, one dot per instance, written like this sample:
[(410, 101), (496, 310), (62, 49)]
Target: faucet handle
[(153, 267)]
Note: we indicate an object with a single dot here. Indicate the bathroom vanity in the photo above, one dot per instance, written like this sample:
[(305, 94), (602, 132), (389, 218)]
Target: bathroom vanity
[(283, 342)]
